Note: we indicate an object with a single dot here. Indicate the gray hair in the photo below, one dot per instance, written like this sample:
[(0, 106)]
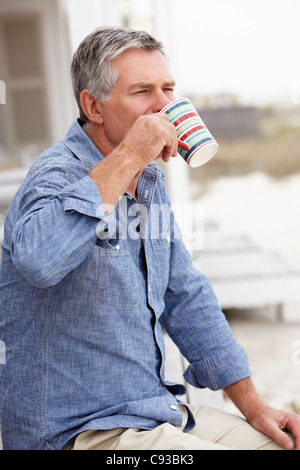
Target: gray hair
[(91, 67)]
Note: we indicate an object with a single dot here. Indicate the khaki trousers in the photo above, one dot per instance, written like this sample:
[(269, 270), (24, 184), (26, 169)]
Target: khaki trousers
[(215, 430)]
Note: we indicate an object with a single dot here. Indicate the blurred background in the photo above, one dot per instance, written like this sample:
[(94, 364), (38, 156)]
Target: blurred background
[(238, 61)]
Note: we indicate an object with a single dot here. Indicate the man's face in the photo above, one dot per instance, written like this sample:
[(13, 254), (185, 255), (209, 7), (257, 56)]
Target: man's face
[(145, 86)]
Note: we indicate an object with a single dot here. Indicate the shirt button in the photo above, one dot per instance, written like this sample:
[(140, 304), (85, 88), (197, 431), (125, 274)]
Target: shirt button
[(117, 247), (173, 407), (168, 238)]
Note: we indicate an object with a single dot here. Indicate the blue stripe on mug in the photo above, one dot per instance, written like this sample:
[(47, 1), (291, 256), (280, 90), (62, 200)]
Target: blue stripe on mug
[(182, 114), (187, 155)]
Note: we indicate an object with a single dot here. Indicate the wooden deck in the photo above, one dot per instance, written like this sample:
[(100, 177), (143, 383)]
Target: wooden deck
[(244, 276)]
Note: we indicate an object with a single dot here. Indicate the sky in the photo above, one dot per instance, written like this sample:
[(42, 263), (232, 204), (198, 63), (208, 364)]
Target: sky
[(249, 48)]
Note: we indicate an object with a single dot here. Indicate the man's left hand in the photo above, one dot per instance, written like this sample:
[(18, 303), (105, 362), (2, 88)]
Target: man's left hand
[(264, 418), (273, 423)]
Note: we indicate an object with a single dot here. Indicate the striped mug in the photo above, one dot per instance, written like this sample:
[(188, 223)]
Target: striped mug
[(196, 145)]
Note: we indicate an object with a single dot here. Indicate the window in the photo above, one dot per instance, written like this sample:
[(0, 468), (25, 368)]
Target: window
[(24, 116)]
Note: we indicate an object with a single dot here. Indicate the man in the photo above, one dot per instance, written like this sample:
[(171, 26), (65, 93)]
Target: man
[(93, 268)]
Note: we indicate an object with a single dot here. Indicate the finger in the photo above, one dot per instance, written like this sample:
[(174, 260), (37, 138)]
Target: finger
[(281, 437), (293, 426), (167, 140), (285, 441), (162, 116), (297, 443), (171, 146), (168, 152)]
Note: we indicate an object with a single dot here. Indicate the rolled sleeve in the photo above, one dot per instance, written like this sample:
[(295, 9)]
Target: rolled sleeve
[(220, 370), (83, 197)]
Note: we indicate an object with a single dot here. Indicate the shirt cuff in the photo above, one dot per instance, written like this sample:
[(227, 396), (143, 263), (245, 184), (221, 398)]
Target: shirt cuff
[(220, 370), (83, 197)]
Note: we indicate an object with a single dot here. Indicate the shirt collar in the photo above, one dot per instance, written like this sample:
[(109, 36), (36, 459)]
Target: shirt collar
[(82, 146)]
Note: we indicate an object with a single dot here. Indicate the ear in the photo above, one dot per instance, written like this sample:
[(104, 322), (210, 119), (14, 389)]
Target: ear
[(91, 107)]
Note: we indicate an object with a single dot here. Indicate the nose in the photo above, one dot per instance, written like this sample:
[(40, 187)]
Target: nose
[(161, 100)]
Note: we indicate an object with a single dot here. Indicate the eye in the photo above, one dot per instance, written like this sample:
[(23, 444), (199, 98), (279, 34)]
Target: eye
[(142, 92)]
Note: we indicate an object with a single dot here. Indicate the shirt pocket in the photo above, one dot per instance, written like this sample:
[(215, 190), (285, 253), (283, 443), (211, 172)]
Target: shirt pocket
[(162, 249), (117, 285)]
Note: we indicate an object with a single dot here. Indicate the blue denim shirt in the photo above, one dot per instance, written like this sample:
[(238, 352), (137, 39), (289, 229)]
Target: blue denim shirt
[(83, 299)]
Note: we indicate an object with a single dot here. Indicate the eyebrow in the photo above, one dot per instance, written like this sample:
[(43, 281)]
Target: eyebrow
[(140, 85)]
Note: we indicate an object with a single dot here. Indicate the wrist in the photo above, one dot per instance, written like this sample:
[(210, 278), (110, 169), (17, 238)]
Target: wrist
[(114, 175), (125, 160)]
